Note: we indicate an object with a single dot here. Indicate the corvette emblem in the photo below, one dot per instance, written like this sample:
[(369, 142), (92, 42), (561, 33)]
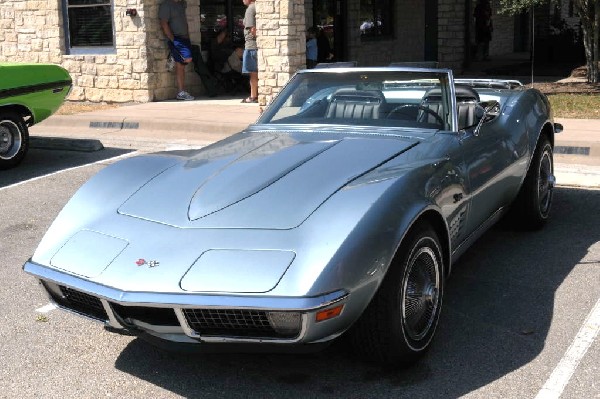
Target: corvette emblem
[(150, 263)]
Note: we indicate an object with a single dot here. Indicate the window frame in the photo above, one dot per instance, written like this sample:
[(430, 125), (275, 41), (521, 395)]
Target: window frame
[(87, 50), (387, 7)]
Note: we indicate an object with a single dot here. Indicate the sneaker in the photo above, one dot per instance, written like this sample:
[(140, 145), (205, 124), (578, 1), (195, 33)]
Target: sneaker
[(185, 96), (170, 63)]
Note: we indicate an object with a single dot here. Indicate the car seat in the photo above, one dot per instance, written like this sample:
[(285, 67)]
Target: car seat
[(466, 104), (355, 104)]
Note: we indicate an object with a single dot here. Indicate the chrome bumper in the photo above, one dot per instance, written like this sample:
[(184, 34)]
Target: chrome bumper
[(310, 330)]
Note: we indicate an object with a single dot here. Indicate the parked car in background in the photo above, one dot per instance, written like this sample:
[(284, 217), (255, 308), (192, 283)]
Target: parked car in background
[(29, 93), (341, 211)]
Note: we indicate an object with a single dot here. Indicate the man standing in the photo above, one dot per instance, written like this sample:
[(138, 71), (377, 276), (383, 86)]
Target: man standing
[(173, 22), (250, 58), (483, 29)]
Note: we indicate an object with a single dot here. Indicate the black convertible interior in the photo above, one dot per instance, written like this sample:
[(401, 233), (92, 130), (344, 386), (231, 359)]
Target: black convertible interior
[(370, 107)]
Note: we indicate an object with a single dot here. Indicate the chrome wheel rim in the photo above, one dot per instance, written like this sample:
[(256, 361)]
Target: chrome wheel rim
[(10, 139), (545, 183), (421, 293)]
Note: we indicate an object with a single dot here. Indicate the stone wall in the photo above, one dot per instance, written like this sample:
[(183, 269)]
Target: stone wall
[(451, 34), (281, 39), (33, 31)]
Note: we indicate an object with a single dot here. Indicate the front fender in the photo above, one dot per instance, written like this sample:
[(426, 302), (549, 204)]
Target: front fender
[(101, 195)]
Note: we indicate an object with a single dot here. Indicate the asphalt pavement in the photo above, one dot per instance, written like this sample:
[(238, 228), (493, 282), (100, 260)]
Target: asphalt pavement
[(178, 124)]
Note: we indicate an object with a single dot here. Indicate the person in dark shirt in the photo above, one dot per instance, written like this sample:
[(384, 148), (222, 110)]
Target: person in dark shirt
[(324, 53), (483, 29), (225, 56)]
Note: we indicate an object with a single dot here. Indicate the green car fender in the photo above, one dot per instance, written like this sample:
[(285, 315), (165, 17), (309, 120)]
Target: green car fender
[(29, 93)]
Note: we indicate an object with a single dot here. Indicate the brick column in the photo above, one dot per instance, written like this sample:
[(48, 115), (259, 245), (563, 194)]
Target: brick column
[(451, 34), (281, 39)]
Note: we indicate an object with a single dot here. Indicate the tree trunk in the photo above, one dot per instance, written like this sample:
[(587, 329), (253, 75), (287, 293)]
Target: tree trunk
[(586, 11), (594, 76)]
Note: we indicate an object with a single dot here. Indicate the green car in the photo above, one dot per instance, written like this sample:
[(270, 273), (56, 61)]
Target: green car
[(29, 93)]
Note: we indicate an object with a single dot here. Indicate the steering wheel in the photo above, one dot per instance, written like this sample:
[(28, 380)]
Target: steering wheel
[(401, 110)]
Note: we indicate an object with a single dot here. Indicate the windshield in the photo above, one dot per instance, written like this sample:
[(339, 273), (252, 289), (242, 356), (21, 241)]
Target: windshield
[(371, 97)]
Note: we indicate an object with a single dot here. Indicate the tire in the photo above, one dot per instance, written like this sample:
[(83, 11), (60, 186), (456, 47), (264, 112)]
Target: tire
[(14, 139), (399, 324), (532, 206)]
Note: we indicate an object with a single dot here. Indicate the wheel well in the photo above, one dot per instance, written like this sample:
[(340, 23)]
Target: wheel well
[(21, 110), (436, 221), (548, 131)]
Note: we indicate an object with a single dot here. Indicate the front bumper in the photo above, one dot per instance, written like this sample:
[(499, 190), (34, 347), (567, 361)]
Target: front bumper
[(197, 318)]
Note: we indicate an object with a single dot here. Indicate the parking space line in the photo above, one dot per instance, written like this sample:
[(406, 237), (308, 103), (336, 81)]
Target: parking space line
[(561, 375), (69, 169), (47, 308)]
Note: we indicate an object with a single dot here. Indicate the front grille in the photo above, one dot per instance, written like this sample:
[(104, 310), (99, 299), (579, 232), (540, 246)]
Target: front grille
[(154, 316), (82, 303), (230, 323)]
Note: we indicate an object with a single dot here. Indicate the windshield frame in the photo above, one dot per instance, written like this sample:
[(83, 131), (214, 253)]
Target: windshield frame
[(383, 78)]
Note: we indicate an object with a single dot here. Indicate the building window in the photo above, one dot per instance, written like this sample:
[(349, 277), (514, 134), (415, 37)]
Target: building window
[(375, 19), (89, 25)]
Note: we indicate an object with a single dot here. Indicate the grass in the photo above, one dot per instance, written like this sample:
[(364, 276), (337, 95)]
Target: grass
[(577, 106)]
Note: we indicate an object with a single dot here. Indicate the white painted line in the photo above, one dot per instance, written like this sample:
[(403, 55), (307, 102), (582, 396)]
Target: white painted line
[(69, 169), (47, 308), (561, 375)]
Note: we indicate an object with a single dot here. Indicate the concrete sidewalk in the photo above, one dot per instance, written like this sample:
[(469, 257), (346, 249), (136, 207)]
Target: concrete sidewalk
[(169, 124)]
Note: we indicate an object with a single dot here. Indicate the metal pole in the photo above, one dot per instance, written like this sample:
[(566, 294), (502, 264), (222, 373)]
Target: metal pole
[(532, 42)]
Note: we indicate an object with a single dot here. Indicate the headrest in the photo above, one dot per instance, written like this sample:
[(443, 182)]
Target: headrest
[(463, 93), (362, 96)]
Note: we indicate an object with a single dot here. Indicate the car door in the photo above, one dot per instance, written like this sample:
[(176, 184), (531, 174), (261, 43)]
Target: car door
[(494, 164)]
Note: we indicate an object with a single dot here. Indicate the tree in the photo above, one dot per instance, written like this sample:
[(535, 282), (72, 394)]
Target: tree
[(589, 14)]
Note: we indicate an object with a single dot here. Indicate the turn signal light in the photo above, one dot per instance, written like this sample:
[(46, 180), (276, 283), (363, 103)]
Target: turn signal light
[(329, 313)]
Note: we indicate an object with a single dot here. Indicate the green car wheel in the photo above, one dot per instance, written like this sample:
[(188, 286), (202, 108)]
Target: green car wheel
[(14, 139)]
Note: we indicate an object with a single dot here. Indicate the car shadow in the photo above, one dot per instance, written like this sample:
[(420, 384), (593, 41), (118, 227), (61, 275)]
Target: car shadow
[(497, 313), (41, 162)]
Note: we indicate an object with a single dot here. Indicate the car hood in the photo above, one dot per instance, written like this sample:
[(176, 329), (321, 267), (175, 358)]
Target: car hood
[(258, 180)]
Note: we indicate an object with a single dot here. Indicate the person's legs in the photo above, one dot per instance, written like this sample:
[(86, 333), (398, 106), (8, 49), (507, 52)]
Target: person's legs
[(181, 49), (486, 50), (180, 76), (254, 84), (250, 67)]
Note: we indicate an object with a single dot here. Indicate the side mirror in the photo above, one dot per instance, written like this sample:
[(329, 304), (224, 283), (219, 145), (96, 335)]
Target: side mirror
[(558, 127), (488, 111)]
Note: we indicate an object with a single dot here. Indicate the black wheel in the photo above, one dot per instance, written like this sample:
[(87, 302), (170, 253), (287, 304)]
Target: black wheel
[(403, 112), (532, 206), (398, 325), (14, 139)]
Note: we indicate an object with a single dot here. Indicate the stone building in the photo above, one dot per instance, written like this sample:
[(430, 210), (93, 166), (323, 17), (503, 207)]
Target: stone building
[(115, 50)]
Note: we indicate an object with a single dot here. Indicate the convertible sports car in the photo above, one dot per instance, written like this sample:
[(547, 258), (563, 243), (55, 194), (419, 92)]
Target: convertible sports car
[(29, 93), (341, 210)]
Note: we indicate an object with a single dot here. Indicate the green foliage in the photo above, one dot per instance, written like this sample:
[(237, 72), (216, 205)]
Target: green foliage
[(512, 7)]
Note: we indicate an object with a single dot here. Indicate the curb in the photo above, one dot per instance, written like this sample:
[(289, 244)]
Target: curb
[(68, 144)]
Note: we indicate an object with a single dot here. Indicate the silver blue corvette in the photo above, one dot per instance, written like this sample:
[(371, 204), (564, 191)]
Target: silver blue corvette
[(341, 211)]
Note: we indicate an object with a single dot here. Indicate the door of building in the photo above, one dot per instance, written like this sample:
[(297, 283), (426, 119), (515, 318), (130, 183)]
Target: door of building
[(431, 31), (330, 16), (218, 14)]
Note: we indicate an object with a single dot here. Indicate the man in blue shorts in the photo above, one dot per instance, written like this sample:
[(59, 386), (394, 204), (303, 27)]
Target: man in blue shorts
[(173, 22), (250, 58)]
